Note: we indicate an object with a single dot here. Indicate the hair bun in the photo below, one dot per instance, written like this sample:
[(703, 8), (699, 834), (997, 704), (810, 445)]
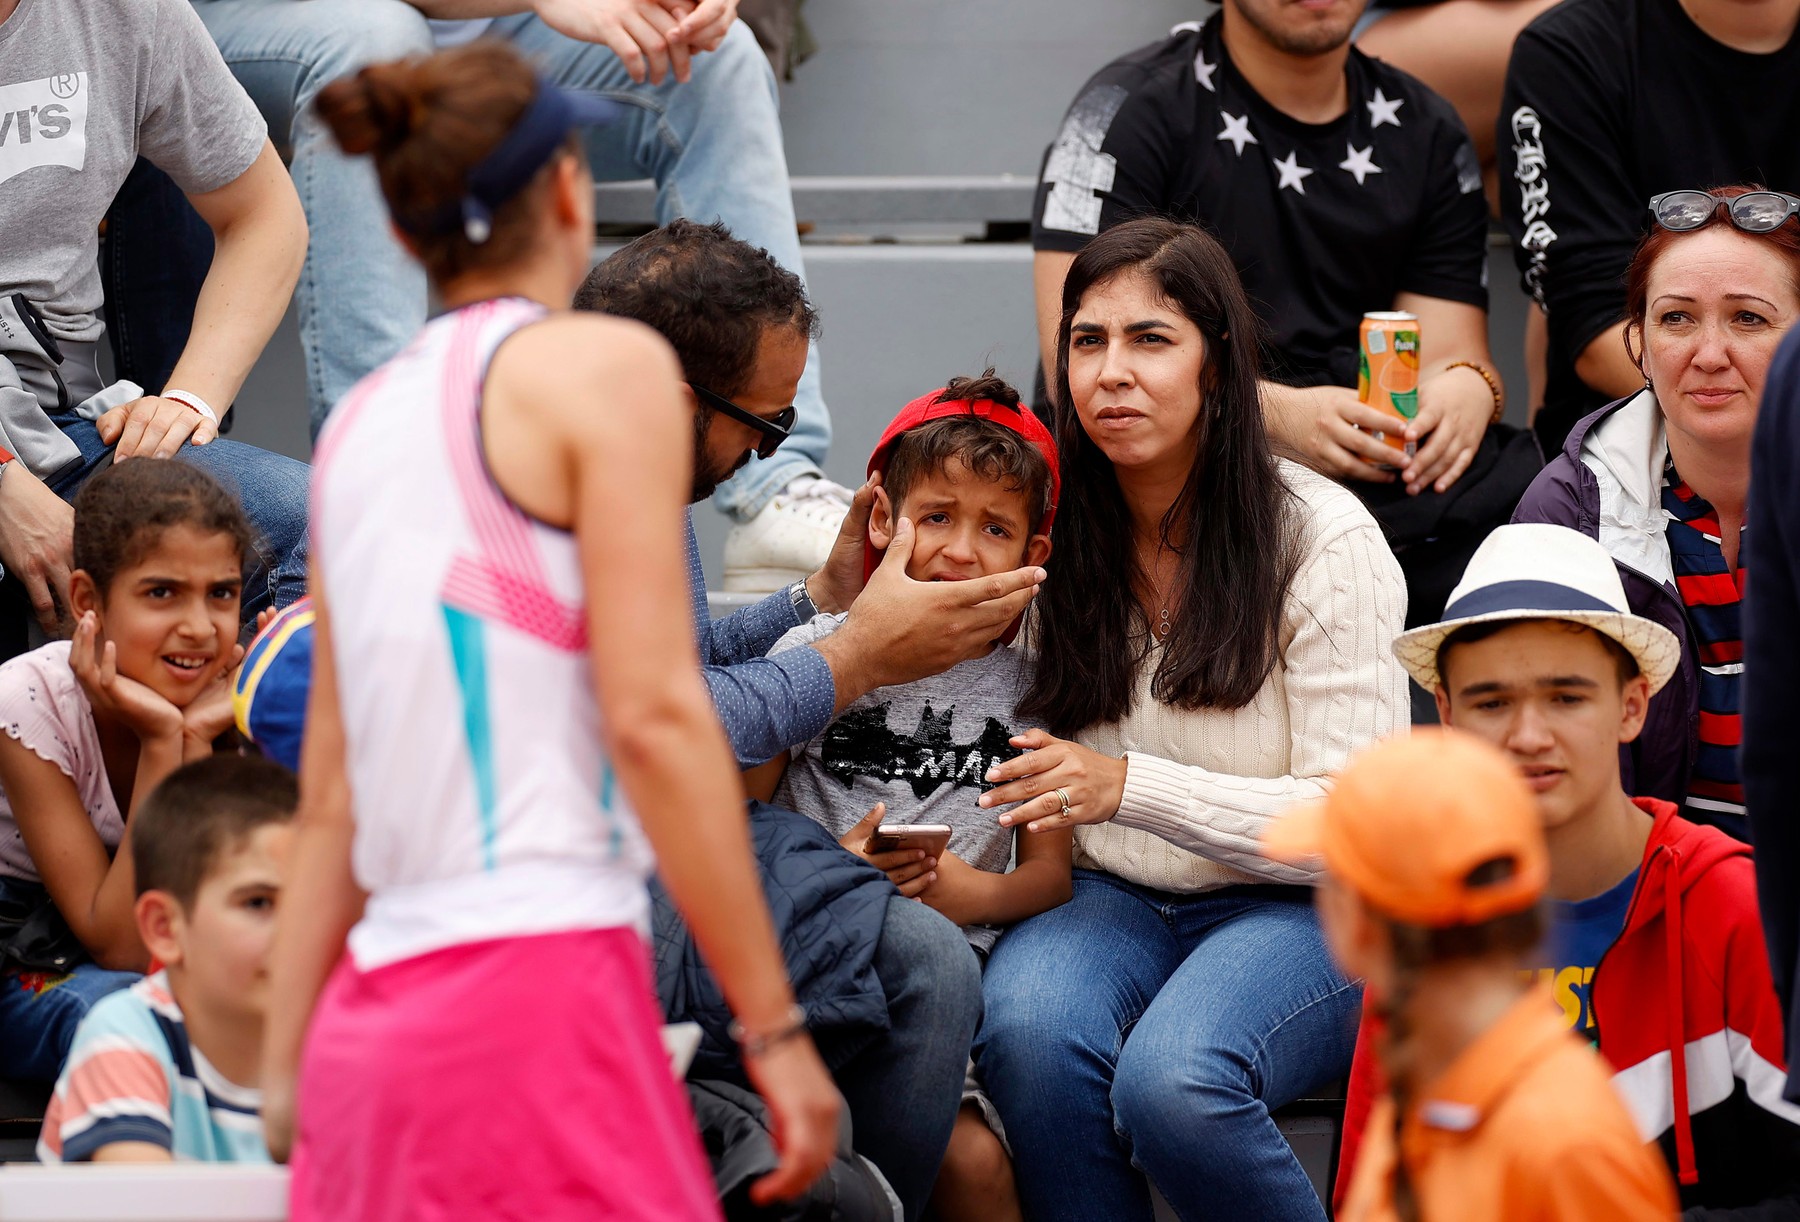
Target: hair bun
[(376, 109)]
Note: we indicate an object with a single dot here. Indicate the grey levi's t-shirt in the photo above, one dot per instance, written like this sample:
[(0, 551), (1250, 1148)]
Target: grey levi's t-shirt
[(85, 87), (923, 748)]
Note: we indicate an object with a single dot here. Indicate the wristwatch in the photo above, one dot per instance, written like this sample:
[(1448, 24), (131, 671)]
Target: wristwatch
[(804, 610)]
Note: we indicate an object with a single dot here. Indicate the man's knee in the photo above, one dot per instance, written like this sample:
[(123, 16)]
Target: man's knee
[(333, 37), (738, 66), (925, 958)]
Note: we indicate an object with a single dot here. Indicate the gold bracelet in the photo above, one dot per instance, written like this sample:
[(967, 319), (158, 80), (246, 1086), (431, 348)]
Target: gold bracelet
[(1493, 386)]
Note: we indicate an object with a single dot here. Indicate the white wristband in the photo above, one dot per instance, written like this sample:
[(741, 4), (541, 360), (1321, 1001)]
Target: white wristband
[(188, 398)]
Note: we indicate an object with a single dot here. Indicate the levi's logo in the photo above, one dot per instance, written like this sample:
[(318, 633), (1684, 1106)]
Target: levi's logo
[(43, 123)]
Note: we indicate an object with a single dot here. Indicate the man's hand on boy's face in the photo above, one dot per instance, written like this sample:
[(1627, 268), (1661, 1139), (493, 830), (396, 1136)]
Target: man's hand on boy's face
[(840, 579), (908, 869), (905, 629)]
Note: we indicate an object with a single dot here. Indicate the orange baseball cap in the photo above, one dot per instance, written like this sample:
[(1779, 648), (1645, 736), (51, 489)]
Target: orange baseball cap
[(1411, 818)]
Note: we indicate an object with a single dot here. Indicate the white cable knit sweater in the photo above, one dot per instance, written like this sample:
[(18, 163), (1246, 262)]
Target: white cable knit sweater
[(1201, 786)]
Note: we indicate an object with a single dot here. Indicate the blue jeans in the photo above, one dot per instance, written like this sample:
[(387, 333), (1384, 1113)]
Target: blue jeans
[(360, 296), (39, 1014), (713, 146), (272, 489), (155, 257), (1132, 1033), (905, 1087)]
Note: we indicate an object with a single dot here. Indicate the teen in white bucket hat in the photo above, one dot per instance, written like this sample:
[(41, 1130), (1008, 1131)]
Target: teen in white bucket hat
[(1530, 570)]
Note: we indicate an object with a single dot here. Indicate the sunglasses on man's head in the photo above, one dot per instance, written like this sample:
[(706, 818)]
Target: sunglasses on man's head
[(774, 432), (1752, 212)]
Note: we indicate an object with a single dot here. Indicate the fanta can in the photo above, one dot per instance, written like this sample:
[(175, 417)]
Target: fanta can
[(1387, 376)]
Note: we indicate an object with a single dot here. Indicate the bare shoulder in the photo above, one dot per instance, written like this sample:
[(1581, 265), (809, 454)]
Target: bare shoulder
[(570, 343), (564, 372)]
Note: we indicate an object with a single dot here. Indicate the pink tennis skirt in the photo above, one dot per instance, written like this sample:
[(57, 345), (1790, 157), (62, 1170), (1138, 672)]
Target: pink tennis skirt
[(520, 1078)]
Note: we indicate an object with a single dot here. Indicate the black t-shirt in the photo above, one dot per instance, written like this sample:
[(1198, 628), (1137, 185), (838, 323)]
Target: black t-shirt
[(1324, 221), (1607, 103)]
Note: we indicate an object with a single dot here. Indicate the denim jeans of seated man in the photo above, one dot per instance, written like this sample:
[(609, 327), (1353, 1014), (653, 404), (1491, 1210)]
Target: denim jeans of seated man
[(713, 146), (1133, 1033), (904, 1088)]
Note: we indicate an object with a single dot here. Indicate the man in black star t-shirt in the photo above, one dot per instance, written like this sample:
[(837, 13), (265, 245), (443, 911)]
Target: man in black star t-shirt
[(1607, 103), (1339, 185)]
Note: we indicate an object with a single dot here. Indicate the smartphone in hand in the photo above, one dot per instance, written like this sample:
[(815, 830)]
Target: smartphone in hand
[(934, 838)]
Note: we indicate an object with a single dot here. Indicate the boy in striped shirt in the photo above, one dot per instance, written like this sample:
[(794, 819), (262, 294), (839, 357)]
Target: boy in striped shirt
[(168, 1069)]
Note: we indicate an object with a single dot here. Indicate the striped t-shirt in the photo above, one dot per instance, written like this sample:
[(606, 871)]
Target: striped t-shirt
[(132, 1076), (1712, 595)]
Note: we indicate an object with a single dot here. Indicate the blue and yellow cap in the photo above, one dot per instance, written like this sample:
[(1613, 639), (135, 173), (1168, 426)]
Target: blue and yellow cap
[(269, 698)]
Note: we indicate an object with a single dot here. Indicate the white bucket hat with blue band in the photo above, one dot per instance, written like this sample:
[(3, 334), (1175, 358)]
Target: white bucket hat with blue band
[(1530, 570)]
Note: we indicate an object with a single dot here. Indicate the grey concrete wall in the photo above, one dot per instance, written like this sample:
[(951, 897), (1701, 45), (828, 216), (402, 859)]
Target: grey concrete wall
[(909, 87)]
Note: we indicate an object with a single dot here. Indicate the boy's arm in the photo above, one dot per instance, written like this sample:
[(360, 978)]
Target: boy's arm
[(1039, 882), (132, 1152), (113, 1098), (761, 781)]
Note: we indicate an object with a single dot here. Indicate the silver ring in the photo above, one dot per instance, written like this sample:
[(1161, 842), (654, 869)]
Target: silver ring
[(1062, 795)]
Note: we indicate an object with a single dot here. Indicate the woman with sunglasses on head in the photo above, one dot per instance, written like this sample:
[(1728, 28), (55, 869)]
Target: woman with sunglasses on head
[(1661, 477), (496, 741)]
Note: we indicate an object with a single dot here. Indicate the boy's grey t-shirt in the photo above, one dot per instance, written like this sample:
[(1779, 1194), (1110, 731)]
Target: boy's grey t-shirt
[(923, 748), (85, 87)]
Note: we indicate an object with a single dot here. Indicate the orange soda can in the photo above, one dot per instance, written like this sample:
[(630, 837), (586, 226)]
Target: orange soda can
[(1387, 375)]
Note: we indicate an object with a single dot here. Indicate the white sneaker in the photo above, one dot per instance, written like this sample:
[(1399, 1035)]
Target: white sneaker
[(789, 539)]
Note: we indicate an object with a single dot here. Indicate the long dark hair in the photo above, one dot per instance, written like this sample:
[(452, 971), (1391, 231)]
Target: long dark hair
[(1230, 525)]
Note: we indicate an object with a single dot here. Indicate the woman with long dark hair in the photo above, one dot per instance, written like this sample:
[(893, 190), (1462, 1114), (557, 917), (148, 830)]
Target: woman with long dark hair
[(1212, 645)]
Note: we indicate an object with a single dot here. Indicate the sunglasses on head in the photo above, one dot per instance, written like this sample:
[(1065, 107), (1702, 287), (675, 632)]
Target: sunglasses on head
[(1752, 212), (774, 432)]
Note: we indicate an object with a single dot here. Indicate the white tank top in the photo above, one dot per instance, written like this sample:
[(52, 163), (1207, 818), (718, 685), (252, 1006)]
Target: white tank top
[(484, 804)]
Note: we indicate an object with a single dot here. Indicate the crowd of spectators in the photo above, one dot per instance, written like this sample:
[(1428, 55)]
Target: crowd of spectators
[(1055, 818)]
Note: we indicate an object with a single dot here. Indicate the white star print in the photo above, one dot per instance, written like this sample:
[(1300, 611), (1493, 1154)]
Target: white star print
[(1237, 130), (1293, 174), (1203, 72), (1383, 109), (1360, 162)]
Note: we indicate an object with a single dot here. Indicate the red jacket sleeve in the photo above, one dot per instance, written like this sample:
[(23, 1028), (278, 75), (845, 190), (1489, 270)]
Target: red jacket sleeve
[(1367, 1084)]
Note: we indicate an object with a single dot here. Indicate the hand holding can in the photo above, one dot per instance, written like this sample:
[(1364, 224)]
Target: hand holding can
[(1388, 370)]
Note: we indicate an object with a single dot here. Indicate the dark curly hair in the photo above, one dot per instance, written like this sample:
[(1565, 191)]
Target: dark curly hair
[(712, 296), (991, 451), (122, 512)]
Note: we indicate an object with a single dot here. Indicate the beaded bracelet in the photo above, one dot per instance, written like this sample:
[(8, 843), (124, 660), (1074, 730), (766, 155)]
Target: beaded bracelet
[(1493, 386), (754, 1046)]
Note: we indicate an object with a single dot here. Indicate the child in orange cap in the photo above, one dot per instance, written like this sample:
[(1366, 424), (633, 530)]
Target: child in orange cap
[(1436, 869)]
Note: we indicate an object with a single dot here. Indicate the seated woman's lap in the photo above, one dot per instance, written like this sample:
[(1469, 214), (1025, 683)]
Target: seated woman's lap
[(1154, 1031), (271, 487)]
